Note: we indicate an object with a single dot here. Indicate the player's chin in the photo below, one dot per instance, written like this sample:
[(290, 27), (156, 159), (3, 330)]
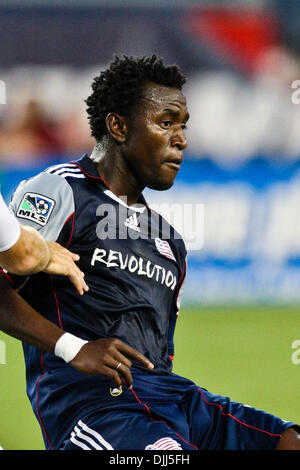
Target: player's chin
[(162, 184), (162, 181)]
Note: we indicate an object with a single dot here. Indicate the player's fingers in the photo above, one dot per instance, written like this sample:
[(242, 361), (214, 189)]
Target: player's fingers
[(64, 251), (75, 257), (124, 372), (66, 266), (113, 375), (84, 284), (79, 284), (120, 358), (77, 278), (72, 255), (135, 355), (120, 364)]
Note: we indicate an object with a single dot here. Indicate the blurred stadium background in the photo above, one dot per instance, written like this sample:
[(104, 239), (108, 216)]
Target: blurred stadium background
[(240, 312)]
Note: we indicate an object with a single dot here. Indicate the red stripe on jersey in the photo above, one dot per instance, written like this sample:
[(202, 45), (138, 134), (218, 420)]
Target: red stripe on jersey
[(8, 277), (92, 176), (72, 229), (160, 421), (56, 301), (236, 419)]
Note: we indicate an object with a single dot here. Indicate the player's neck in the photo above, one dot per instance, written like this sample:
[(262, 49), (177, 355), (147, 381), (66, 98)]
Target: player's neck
[(115, 172)]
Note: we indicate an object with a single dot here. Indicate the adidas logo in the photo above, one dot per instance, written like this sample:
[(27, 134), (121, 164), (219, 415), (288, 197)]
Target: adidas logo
[(133, 223)]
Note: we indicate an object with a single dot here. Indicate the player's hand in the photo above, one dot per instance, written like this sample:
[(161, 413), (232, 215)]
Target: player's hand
[(103, 357), (62, 262)]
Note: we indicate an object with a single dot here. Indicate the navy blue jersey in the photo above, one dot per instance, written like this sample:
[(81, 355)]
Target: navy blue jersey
[(134, 265)]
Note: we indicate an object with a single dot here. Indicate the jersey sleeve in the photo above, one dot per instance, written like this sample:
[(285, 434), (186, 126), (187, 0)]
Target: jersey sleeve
[(44, 202), (9, 227)]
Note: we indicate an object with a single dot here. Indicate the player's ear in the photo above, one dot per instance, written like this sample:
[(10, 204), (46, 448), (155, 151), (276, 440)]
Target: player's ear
[(116, 126)]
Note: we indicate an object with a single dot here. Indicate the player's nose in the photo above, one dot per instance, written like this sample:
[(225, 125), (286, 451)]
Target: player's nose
[(179, 139)]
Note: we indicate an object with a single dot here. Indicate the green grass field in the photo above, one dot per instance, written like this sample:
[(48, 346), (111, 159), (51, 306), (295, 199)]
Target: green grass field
[(241, 352)]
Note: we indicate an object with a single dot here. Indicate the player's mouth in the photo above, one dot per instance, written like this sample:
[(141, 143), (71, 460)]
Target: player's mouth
[(173, 165)]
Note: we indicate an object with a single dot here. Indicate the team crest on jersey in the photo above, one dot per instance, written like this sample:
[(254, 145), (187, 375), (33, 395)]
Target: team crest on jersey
[(36, 207), (164, 248), (165, 443)]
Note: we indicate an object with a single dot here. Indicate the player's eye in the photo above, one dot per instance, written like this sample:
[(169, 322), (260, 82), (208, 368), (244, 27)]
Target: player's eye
[(184, 126), (166, 124)]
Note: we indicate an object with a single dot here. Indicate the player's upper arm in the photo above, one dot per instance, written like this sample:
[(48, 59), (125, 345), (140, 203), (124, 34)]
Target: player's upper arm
[(44, 202)]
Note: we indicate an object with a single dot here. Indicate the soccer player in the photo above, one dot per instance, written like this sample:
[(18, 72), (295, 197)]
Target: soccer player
[(135, 265), (24, 251)]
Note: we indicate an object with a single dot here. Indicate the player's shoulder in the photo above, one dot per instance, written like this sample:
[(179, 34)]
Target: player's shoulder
[(65, 171), (45, 196), (44, 184), (53, 180)]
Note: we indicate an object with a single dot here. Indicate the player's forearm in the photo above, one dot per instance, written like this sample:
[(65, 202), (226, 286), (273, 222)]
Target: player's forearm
[(19, 320), (29, 255)]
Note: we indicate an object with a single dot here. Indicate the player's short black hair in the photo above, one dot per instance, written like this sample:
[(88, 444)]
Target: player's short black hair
[(118, 88)]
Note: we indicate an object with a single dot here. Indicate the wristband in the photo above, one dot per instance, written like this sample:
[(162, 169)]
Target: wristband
[(68, 346)]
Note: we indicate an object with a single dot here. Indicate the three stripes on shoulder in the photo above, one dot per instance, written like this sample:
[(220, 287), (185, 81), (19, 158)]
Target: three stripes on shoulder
[(65, 169)]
